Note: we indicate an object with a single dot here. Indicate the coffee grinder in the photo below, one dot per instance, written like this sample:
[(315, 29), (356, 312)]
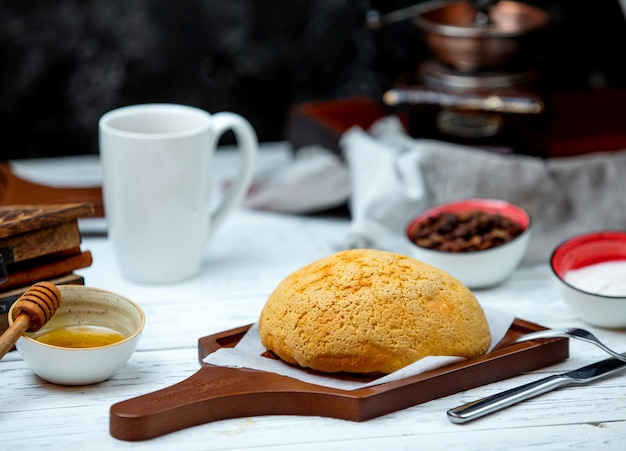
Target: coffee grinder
[(482, 86)]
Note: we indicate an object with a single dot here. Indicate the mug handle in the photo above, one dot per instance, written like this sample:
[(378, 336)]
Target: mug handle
[(248, 145)]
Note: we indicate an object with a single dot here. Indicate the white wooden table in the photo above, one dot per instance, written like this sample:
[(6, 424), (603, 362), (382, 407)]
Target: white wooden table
[(245, 260)]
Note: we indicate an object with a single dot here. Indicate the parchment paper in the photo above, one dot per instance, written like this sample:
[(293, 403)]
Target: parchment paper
[(247, 354)]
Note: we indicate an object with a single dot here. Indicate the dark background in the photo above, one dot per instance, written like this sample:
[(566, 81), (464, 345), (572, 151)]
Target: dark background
[(66, 62)]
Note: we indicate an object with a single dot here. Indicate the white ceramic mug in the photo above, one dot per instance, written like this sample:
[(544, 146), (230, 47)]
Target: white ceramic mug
[(157, 180)]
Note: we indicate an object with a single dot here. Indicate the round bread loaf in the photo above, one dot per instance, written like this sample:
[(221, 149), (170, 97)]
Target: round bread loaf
[(371, 311)]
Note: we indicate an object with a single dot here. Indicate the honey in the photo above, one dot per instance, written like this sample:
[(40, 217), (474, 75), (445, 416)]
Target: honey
[(80, 337)]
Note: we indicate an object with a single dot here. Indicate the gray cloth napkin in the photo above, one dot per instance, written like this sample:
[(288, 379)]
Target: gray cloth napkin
[(394, 177), (388, 177), (315, 179)]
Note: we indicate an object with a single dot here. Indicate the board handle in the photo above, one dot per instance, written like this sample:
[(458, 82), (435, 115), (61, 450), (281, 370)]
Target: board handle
[(212, 393), (218, 393)]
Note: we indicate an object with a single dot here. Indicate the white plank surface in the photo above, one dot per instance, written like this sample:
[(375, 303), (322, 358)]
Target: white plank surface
[(244, 261)]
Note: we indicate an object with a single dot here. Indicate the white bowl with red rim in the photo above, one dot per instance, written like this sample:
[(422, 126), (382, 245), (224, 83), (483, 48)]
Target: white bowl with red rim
[(479, 268), (598, 260)]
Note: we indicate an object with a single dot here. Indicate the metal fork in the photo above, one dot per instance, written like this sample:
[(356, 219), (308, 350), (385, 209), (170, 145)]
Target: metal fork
[(572, 332)]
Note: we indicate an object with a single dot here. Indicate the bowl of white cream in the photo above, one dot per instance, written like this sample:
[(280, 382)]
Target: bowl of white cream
[(590, 270)]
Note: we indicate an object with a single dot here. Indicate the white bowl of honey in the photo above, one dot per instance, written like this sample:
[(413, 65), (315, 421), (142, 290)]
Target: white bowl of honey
[(89, 338)]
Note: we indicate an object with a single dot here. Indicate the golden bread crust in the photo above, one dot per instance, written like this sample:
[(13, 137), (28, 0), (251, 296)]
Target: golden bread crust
[(369, 311)]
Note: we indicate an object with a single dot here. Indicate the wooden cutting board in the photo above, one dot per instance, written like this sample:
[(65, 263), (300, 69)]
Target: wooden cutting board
[(216, 393), (15, 190)]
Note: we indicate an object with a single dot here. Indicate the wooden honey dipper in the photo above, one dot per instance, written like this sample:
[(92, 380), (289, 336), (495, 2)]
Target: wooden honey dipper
[(31, 312)]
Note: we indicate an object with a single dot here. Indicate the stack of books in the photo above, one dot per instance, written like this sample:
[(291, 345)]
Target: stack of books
[(37, 243)]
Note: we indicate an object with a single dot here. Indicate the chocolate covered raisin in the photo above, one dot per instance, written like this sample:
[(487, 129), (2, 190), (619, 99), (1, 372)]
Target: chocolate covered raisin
[(465, 232)]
